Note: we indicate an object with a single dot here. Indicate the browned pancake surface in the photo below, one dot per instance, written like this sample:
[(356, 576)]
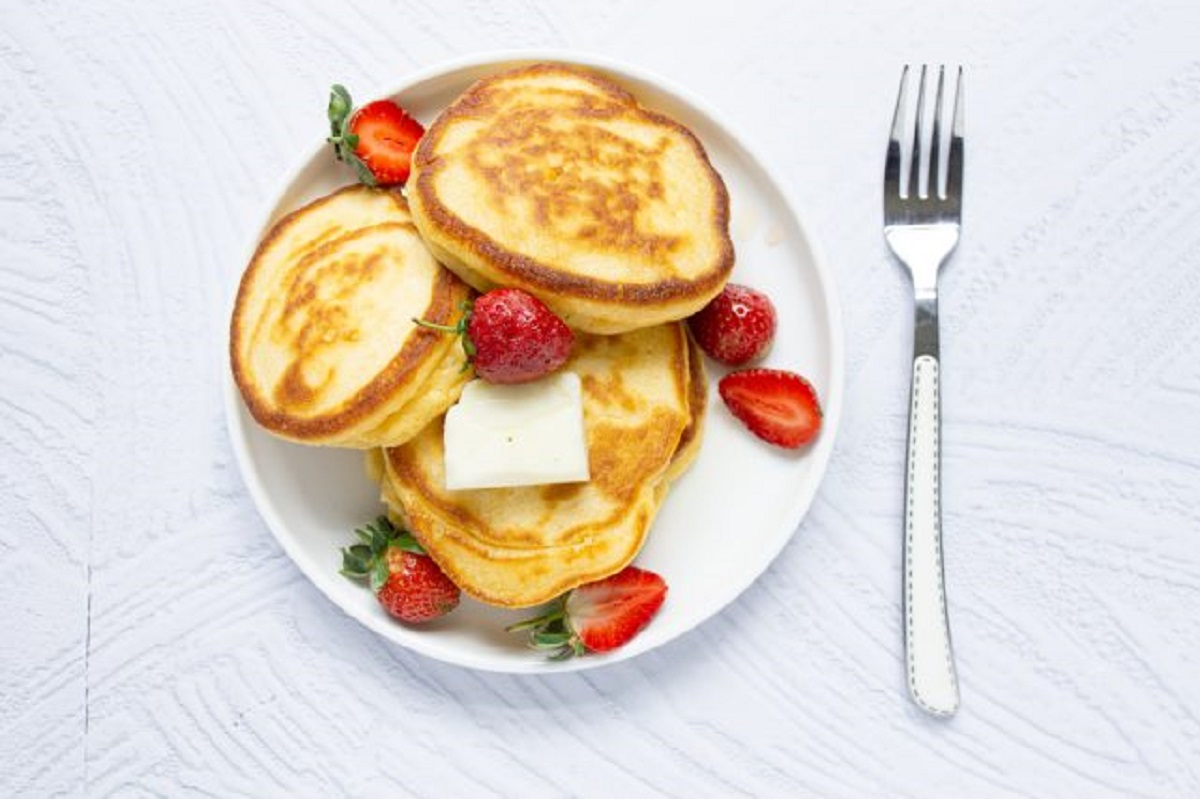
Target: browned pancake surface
[(322, 344), (555, 179)]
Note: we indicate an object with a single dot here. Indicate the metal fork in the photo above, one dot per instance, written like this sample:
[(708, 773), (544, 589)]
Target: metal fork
[(921, 227)]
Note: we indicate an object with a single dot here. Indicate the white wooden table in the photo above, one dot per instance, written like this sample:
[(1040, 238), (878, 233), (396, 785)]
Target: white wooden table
[(155, 640)]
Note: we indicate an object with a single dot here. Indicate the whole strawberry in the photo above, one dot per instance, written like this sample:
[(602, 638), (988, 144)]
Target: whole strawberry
[(737, 327), (599, 616), (416, 589), (510, 336), (406, 581)]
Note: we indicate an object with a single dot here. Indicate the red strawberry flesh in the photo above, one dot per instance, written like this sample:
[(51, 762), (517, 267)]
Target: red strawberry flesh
[(608, 613), (778, 406), (387, 136)]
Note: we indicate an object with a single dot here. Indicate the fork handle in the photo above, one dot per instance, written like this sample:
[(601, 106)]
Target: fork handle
[(931, 675)]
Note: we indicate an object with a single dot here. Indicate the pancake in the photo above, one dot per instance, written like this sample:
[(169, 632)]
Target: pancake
[(322, 343), (521, 546), (553, 179), (693, 434)]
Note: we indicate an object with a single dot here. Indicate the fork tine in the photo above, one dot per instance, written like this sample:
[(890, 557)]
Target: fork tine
[(914, 178), (935, 144), (891, 169), (954, 164)]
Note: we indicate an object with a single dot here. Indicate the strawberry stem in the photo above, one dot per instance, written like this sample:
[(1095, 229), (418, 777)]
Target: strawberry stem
[(458, 329), (558, 612), (552, 632), (455, 329)]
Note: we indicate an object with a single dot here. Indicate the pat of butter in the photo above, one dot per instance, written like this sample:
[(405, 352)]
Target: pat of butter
[(526, 434)]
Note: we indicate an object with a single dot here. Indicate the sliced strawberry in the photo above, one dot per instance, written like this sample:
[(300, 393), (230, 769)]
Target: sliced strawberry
[(598, 617), (406, 581), (779, 407), (377, 140)]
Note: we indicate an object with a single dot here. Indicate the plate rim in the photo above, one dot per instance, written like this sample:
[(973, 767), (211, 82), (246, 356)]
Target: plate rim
[(820, 453)]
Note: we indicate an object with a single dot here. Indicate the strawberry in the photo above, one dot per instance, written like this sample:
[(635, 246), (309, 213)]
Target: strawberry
[(406, 581), (510, 336), (599, 616), (737, 327), (417, 589), (777, 406), (377, 140)]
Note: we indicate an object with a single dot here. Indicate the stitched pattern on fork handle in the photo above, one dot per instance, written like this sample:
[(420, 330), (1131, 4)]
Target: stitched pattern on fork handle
[(939, 693)]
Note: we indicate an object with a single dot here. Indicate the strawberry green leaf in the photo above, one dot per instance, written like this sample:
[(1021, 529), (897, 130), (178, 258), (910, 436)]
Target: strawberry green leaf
[(552, 619), (340, 112), (551, 633), (406, 542), (369, 557), (549, 640), (379, 574), (354, 564), (379, 538), (339, 109), (364, 172)]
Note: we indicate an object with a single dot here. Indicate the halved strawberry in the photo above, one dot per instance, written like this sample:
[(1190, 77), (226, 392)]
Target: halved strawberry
[(779, 407), (377, 140), (599, 616)]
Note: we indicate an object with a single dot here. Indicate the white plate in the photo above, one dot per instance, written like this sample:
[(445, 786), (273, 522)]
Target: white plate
[(723, 522)]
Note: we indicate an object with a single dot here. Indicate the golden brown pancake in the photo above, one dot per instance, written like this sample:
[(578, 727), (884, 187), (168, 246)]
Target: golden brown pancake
[(693, 434), (524, 545), (322, 342), (553, 179)]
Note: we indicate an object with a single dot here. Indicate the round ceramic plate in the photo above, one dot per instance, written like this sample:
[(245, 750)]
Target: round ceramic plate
[(722, 523)]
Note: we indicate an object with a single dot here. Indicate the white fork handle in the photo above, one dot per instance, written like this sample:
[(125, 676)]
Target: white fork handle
[(931, 676)]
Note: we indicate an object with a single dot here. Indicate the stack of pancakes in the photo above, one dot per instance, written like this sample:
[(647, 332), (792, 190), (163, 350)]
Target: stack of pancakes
[(548, 178), (644, 402)]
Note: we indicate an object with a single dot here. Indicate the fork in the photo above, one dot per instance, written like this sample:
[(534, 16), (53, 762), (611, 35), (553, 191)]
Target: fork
[(921, 224)]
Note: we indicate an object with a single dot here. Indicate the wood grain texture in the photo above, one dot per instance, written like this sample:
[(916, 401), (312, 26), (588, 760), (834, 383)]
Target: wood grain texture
[(140, 144)]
